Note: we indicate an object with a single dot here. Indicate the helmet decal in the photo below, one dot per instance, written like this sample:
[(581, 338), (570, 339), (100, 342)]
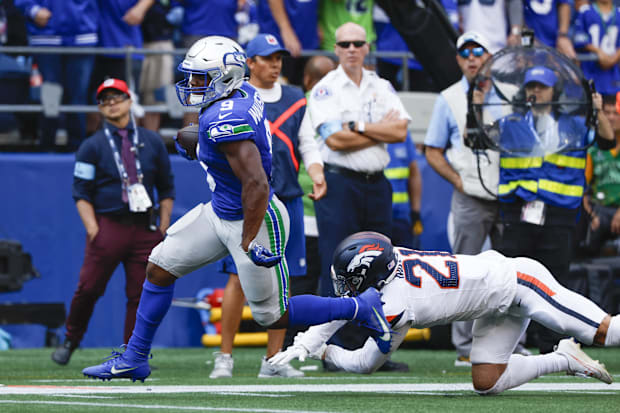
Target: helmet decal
[(363, 259), (371, 247)]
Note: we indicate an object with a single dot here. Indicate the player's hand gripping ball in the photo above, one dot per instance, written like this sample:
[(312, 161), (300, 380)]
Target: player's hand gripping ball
[(186, 141)]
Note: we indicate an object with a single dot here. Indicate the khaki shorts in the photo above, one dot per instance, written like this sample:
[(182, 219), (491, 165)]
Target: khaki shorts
[(157, 71)]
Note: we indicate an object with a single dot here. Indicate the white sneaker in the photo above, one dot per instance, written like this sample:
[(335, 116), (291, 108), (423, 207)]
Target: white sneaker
[(579, 363), (286, 370), (462, 361), (222, 366)]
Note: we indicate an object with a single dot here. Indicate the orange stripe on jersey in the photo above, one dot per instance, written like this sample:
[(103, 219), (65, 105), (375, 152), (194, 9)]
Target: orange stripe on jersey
[(391, 317), (536, 282)]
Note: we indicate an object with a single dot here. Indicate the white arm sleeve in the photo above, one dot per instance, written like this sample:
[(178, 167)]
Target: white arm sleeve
[(313, 338), (308, 147), (366, 359)]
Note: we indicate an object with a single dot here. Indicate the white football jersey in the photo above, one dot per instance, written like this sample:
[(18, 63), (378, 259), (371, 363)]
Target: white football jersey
[(436, 287)]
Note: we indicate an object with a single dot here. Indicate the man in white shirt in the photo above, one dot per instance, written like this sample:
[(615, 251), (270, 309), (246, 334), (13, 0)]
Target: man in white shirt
[(355, 113)]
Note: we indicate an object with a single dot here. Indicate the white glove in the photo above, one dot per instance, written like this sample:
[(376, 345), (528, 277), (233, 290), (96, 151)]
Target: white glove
[(291, 353), (297, 351)]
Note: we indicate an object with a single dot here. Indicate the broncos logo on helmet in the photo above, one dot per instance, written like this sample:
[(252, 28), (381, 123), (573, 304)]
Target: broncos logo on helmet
[(363, 260)]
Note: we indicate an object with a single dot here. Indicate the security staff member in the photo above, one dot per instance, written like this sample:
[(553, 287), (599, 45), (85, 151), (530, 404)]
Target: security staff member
[(355, 113), (116, 172)]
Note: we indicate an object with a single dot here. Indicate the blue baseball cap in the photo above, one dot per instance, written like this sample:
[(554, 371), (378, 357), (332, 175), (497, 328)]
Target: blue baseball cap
[(542, 75), (264, 45)]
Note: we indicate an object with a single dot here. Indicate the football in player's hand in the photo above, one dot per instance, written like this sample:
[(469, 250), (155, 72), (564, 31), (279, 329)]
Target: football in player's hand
[(187, 138)]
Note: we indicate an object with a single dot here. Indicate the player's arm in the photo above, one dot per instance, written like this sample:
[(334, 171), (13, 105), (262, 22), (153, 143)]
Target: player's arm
[(87, 215), (364, 360), (245, 161)]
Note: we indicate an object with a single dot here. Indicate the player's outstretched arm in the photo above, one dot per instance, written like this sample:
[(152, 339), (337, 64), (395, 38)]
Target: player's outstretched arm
[(309, 343), (364, 360)]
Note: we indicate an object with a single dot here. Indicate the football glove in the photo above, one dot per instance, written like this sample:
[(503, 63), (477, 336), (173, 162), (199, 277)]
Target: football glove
[(261, 256), (181, 150), (296, 351)]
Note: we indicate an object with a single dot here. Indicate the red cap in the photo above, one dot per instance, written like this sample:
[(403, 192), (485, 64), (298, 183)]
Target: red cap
[(117, 84)]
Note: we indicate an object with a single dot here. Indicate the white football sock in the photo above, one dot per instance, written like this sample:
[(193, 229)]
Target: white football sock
[(523, 369)]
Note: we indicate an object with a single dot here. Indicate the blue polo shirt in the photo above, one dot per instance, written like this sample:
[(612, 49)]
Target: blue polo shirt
[(96, 178)]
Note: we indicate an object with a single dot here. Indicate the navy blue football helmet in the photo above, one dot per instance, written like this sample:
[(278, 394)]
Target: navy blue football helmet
[(363, 260)]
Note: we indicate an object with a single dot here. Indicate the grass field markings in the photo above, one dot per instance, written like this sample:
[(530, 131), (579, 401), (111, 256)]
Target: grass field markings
[(438, 388), (155, 407), (75, 380), (251, 394), (82, 396)]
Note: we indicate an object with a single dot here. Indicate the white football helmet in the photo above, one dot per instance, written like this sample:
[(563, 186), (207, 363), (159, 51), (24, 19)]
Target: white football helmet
[(222, 63)]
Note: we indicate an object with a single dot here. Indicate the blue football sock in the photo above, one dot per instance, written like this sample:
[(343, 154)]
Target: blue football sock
[(154, 304), (309, 310)]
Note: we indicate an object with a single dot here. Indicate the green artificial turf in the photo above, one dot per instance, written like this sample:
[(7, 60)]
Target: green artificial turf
[(422, 389)]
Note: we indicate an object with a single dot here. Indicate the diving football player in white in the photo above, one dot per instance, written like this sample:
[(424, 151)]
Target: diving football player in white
[(425, 288)]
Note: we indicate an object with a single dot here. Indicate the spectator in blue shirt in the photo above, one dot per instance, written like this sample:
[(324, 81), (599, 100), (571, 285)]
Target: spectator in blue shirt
[(596, 31), (550, 21), (119, 27), (71, 23), (295, 24)]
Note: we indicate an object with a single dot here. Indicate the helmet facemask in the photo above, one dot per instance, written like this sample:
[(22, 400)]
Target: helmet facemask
[(222, 73), (363, 260)]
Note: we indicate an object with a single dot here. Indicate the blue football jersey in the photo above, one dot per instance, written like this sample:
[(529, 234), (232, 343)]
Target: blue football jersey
[(591, 28), (542, 17), (240, 117)]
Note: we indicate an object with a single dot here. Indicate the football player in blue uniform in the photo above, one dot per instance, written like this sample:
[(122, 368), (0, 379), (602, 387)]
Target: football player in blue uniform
[(244, 218)]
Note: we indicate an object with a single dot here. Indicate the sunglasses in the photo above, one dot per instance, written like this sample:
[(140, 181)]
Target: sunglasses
[(476, 51), (345, 44), (112, 98)]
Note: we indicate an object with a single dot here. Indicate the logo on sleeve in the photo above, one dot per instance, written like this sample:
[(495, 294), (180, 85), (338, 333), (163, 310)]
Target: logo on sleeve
[(220, 130), (322, 93)]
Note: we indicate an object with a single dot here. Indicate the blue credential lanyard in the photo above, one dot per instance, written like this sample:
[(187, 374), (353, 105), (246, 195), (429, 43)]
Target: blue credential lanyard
[(117, 157)]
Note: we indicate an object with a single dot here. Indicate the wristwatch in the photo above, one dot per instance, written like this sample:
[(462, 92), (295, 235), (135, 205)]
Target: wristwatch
[(358, 127), (361, 127)]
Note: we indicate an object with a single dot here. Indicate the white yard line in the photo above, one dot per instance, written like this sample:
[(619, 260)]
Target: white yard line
[(296, 388), (152, 407)]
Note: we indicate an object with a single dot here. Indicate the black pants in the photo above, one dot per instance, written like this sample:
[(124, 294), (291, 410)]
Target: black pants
[(551, 245)]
